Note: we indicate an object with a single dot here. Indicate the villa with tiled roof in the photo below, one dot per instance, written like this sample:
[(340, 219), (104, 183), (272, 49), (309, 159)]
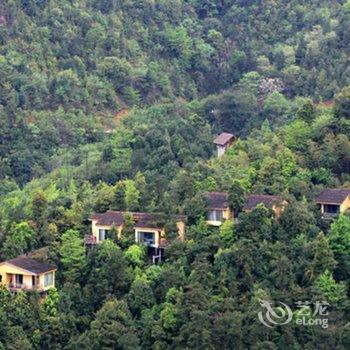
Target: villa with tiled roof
[(333, 201)]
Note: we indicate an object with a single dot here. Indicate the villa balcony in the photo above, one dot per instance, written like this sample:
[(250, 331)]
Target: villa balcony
[(329, 216), (15, 287)]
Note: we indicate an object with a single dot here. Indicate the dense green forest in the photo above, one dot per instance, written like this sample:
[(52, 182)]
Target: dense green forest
[(111, 104)]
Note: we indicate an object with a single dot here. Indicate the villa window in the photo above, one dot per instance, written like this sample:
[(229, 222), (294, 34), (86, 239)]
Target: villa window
[(331, 209), (19, 279), (216, 215), (102, 234), (147, 238), (48, 279)]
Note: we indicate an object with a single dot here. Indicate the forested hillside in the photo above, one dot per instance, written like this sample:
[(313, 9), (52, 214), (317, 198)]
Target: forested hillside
[(66, 68), (114, 104)]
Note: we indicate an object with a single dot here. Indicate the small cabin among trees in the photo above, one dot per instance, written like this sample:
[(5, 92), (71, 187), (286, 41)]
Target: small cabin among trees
[(23, 273), (223, 142), (333, 201)]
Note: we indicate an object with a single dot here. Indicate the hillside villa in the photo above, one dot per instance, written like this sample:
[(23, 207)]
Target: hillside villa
[(333, 201), (149, 229), (23, 273), (219, 209), (276, 203)]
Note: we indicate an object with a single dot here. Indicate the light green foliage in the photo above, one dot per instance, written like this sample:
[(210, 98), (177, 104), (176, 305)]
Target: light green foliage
[(135, 254), (7, 185), (227, 231), (170, 310), (207, 184), (169, 316), (347, 6), (51, 303), (128, 232), (117, 70), (287, 162), (72, 254), (19, 240), (232, 167), (284, 55), (339, 240), (105, 197), (237, 196), (153, 273), (297, 135), (334, 292), (132, 195), (323, 256), (68, 86), (178, 41), (250, 81)]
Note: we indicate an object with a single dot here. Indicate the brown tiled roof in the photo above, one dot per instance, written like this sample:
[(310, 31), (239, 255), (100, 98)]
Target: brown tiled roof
[(150, 220), (31, 265), (217, 200), (223, 139), (109, 218), (256, 199), (332, 195)]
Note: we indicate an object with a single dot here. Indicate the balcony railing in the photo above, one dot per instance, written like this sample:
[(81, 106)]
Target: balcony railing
[(147, 242), (23, 286), (329, 216)]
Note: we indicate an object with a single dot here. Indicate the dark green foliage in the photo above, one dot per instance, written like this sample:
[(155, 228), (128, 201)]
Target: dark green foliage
[(307, 111), (111, 329), (342, 104)]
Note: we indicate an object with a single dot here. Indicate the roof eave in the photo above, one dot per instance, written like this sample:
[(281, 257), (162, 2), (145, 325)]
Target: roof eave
[(328, 202), (27, 271)]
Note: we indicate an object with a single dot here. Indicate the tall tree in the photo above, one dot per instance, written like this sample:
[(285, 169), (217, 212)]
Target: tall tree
[(112, 328), (339, 240), (72, 254)]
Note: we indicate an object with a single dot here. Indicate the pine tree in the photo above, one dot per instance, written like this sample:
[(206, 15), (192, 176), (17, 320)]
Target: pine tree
[(72, 253)]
